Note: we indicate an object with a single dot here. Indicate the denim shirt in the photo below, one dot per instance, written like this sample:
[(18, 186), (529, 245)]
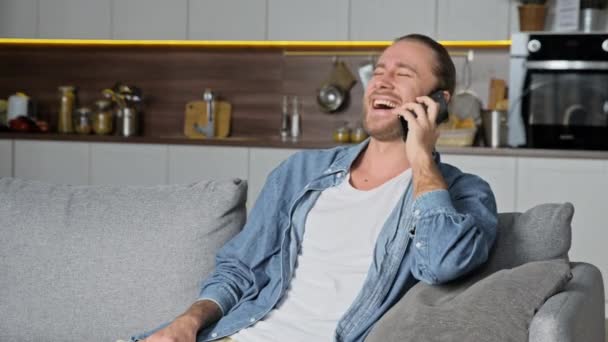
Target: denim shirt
[(437, 237)]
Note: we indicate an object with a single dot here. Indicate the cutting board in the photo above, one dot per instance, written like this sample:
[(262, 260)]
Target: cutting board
[(196, 113)]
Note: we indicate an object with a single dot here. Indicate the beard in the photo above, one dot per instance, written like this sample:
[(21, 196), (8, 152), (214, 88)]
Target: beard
[(385, 130)]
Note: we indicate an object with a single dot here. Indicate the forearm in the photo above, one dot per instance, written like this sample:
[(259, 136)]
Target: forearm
[(426, 175), (200, 315)]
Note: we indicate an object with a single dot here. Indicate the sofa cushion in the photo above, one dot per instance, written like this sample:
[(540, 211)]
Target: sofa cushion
[(541, 233), (496, 308), (97, 263)]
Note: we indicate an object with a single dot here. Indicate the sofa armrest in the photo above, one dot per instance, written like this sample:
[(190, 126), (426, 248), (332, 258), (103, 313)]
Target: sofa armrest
[(575, 314)]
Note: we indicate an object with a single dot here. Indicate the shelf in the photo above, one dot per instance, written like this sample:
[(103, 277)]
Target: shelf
[(242, 44)]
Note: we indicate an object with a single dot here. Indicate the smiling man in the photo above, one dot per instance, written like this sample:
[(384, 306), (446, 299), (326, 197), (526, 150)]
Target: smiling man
[(337, 236)]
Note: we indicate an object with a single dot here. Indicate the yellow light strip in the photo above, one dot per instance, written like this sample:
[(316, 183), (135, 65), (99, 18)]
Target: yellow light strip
[(243, 44)]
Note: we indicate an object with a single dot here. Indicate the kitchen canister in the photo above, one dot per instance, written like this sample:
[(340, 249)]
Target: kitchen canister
[(17, 106)]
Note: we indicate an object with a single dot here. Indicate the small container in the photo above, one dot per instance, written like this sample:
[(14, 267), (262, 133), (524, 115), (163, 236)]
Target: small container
[(102, 118), (342, 134), (82, 121), (358, 135), (67, 101)]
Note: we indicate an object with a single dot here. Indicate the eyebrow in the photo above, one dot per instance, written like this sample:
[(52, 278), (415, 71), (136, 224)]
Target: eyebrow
[(400, 65)]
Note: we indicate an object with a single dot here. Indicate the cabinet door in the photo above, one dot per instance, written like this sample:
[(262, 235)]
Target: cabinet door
[(18, 19), (52, 161), (499, 172), (261, 162), (584, 183), (387, 20), (308, 20), (189, 164), (75, 19), (128, 164), (6, 158), (473, 19), (227, 20), (149, 19)]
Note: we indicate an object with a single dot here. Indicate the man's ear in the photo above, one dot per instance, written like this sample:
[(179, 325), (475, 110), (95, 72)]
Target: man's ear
[(447, 96)]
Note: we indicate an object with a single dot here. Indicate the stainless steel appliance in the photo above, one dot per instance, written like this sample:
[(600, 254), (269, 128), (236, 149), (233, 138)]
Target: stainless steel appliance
[(558, 91)]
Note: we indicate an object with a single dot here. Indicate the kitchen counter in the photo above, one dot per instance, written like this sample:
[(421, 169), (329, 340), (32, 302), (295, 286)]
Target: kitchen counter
[(275, 142)]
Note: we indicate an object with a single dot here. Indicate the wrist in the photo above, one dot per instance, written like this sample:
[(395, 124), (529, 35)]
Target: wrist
[(422, 160)]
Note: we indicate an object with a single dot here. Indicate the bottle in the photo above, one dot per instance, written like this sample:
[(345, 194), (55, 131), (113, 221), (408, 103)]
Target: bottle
[(285, 125), (67, 99), (296, 130)]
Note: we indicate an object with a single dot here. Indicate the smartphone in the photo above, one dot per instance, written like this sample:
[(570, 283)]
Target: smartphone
[(442, 114)]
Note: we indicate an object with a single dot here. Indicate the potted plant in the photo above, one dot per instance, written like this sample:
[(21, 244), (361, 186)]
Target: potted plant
[(593, 15), (532, 15)]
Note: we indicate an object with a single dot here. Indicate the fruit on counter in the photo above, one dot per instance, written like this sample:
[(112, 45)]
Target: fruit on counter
[(24, 124)]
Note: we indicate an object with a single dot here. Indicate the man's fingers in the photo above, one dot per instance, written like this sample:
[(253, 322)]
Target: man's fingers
[(432, 108)]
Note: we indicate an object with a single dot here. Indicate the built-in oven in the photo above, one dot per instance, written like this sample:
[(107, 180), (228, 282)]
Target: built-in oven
[(558, 91)]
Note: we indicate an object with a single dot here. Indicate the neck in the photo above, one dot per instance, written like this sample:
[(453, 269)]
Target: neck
[(382, 160)]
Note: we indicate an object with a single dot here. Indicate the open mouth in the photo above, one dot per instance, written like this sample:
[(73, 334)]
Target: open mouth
[(384, 104)]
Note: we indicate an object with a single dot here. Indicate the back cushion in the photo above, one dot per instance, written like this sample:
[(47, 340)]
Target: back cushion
[(541, 233), (98, 263)]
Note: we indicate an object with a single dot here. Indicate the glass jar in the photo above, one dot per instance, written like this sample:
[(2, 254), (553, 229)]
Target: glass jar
[(82, 121), (342, 134), (67, 100), (358, 135), (102, 118)]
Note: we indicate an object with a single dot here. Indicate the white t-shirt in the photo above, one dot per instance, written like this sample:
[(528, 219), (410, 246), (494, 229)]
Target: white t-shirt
[(337, 249)]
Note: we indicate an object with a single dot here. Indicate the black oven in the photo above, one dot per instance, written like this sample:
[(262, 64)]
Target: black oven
[(558, 91)]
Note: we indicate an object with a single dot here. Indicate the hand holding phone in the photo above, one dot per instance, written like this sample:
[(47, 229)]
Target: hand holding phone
[(442, 113)]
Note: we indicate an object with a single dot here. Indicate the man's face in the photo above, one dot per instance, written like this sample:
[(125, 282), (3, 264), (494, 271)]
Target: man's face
[(403, 72)]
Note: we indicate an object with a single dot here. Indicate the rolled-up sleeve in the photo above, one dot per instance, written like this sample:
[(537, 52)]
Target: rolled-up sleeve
[(453, 229)]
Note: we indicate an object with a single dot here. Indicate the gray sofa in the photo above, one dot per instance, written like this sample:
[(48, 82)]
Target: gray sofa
[(100, 263)]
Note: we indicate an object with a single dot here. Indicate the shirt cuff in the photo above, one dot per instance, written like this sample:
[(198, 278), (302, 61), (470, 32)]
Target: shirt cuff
[(433, 202), (219, 295)]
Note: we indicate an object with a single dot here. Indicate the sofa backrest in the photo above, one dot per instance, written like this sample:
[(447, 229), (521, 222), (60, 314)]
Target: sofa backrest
[(541, 233), (99, 263)]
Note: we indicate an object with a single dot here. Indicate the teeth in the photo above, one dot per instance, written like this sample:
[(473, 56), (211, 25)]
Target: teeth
[(387, 103)]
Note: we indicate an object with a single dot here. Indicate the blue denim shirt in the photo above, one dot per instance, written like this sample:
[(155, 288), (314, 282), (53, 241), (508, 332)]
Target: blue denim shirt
[(435, 238)]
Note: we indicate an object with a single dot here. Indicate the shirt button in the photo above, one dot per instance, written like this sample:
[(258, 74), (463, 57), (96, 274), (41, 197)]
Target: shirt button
[(214, 335), (339, 175), (417, 212), (252, 320), (418, 245)]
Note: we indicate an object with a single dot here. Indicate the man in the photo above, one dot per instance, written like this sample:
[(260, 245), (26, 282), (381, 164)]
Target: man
[(338, 236)]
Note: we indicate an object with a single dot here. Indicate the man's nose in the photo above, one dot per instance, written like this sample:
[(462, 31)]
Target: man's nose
[(384, 82)]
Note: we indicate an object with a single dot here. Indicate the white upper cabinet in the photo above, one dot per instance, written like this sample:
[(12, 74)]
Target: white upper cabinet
[(473, 19), (149, 19), (75, 19), (390, 19), (6, 158), (308, 20), (18, 18), (227, 20), (128, 164), (52, 161)]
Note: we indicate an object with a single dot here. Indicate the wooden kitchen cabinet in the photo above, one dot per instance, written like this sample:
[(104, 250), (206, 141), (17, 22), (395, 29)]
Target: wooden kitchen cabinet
[(584, 183), (18, 19), (227, 20), (499, 172), (261, 162), (308, 20), (52, 161), (75, 19), (128, 164), (189, 164), (6, 158), (473, 19), (149, 19), (387, 20)]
